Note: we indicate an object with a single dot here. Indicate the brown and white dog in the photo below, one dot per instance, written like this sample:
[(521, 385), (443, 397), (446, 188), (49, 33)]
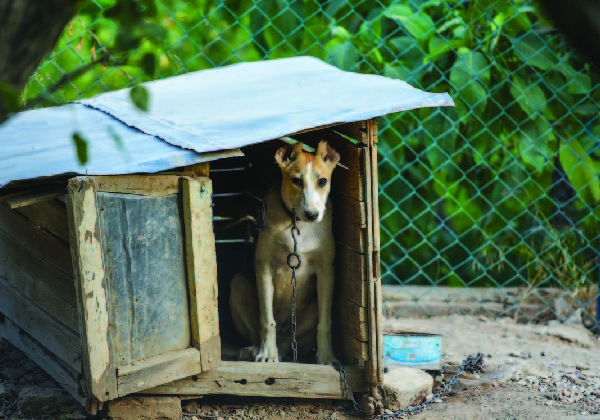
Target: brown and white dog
[(262, 313)]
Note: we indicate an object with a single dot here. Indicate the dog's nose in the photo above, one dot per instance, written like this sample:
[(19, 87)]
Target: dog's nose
[(310, 215)]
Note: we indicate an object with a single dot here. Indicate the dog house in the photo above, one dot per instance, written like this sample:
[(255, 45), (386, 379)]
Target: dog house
[(114, 276)]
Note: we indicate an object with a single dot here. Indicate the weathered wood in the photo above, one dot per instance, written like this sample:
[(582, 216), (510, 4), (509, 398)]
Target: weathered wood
[(202, 270), (376, 257), (352, 130), (355, 212), (371, 365), (58, 339), (354, 351), (152, 185), (143, 252), (34, 197), (355, 239), (352, 312), (49, 215), (60, 372), (90, 282), (376, 248), (197, 170), (145, 408), (359, 331), (46, 247), (268, 380), (22, 267), (158, 370), (37, 281), (351, 275), (348, 181)]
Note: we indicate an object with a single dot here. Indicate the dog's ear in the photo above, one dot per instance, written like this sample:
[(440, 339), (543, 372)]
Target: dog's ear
[(325, 152), (287, 154)]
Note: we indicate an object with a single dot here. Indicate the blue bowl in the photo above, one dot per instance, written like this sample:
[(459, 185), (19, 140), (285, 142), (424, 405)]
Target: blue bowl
[(412, 349)]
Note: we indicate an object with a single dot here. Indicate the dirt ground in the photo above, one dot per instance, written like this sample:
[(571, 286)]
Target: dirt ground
[(547, 372)]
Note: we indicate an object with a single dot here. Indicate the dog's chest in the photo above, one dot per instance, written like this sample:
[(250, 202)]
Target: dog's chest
[(311, 237)]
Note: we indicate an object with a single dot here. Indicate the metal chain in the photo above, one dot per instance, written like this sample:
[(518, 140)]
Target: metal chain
[(294, 254), (470, 364)]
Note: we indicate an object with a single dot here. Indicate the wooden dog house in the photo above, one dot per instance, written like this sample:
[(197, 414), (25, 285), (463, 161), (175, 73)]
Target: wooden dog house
[(114, 277)]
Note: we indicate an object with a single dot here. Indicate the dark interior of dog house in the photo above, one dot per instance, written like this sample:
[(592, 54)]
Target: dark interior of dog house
[(239, 185)]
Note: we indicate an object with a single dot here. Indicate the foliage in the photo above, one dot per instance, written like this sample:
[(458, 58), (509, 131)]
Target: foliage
[(456, 184)]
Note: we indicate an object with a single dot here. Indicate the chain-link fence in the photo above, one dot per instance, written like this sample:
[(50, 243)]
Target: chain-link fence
[(500, 192)]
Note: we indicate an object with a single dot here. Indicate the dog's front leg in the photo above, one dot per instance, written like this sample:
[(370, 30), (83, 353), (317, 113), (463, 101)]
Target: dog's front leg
[(325, 281), (268, 341)]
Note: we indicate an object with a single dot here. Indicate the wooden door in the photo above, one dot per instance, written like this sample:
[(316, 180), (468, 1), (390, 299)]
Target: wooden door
[(145, 270)]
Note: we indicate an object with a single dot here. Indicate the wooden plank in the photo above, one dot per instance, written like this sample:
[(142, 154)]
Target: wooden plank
[(376, 253), (90, 283), (197, 170), (153, 185), (32, 197), (23, 267), (349, 181), (158, 370), (51, 216), (351, 274), (352, 312), (30, 275), (355, 239), (354, 351), (322, 127), (61, 341), (202, 270), (371, 365), (268, 380), (358, 331), (61, 373), (354, 212), (49, 249)]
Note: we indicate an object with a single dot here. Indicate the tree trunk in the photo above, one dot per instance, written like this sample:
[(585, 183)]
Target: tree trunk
[(29, 30)]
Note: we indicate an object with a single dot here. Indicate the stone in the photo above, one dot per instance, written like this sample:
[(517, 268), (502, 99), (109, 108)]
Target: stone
[(34, 398), (550, 402), (145, 408), (190, 406), (534, 368), (404, 386), (573, 334)]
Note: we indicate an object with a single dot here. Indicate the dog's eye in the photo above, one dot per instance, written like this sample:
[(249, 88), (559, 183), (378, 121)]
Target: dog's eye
[(297, 181), (322, 182)]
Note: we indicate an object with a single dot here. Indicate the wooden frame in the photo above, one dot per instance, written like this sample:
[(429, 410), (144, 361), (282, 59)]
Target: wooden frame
[(106, 377), (66, 324)]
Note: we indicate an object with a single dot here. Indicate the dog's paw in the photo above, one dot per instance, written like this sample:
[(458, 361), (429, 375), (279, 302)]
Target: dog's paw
[(248, 354), (326, 357), (268, 354)]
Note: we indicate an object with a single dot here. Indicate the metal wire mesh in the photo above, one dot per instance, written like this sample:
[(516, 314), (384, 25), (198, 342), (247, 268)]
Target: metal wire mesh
[(501, 191)]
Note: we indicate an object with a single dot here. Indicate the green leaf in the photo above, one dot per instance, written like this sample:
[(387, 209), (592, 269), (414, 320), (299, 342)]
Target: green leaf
[(537, 143), (10, 96), (81, 148), (533, 51), (417, 24), (140, 97), (531, 97), (470, 67), (580, 84), (396, 72), (581, 170), (149, 64), (343, 55)]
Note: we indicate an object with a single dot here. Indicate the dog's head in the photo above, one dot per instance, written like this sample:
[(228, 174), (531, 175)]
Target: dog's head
[(306, 179)]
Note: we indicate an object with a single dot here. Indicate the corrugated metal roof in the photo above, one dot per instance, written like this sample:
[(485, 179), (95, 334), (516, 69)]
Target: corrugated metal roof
[(198, 117)]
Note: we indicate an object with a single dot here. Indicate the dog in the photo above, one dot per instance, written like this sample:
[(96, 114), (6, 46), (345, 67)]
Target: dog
[(262, 312)]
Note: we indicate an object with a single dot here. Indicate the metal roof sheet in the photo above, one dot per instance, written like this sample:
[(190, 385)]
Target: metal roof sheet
[(198, 117), (247, 103)]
